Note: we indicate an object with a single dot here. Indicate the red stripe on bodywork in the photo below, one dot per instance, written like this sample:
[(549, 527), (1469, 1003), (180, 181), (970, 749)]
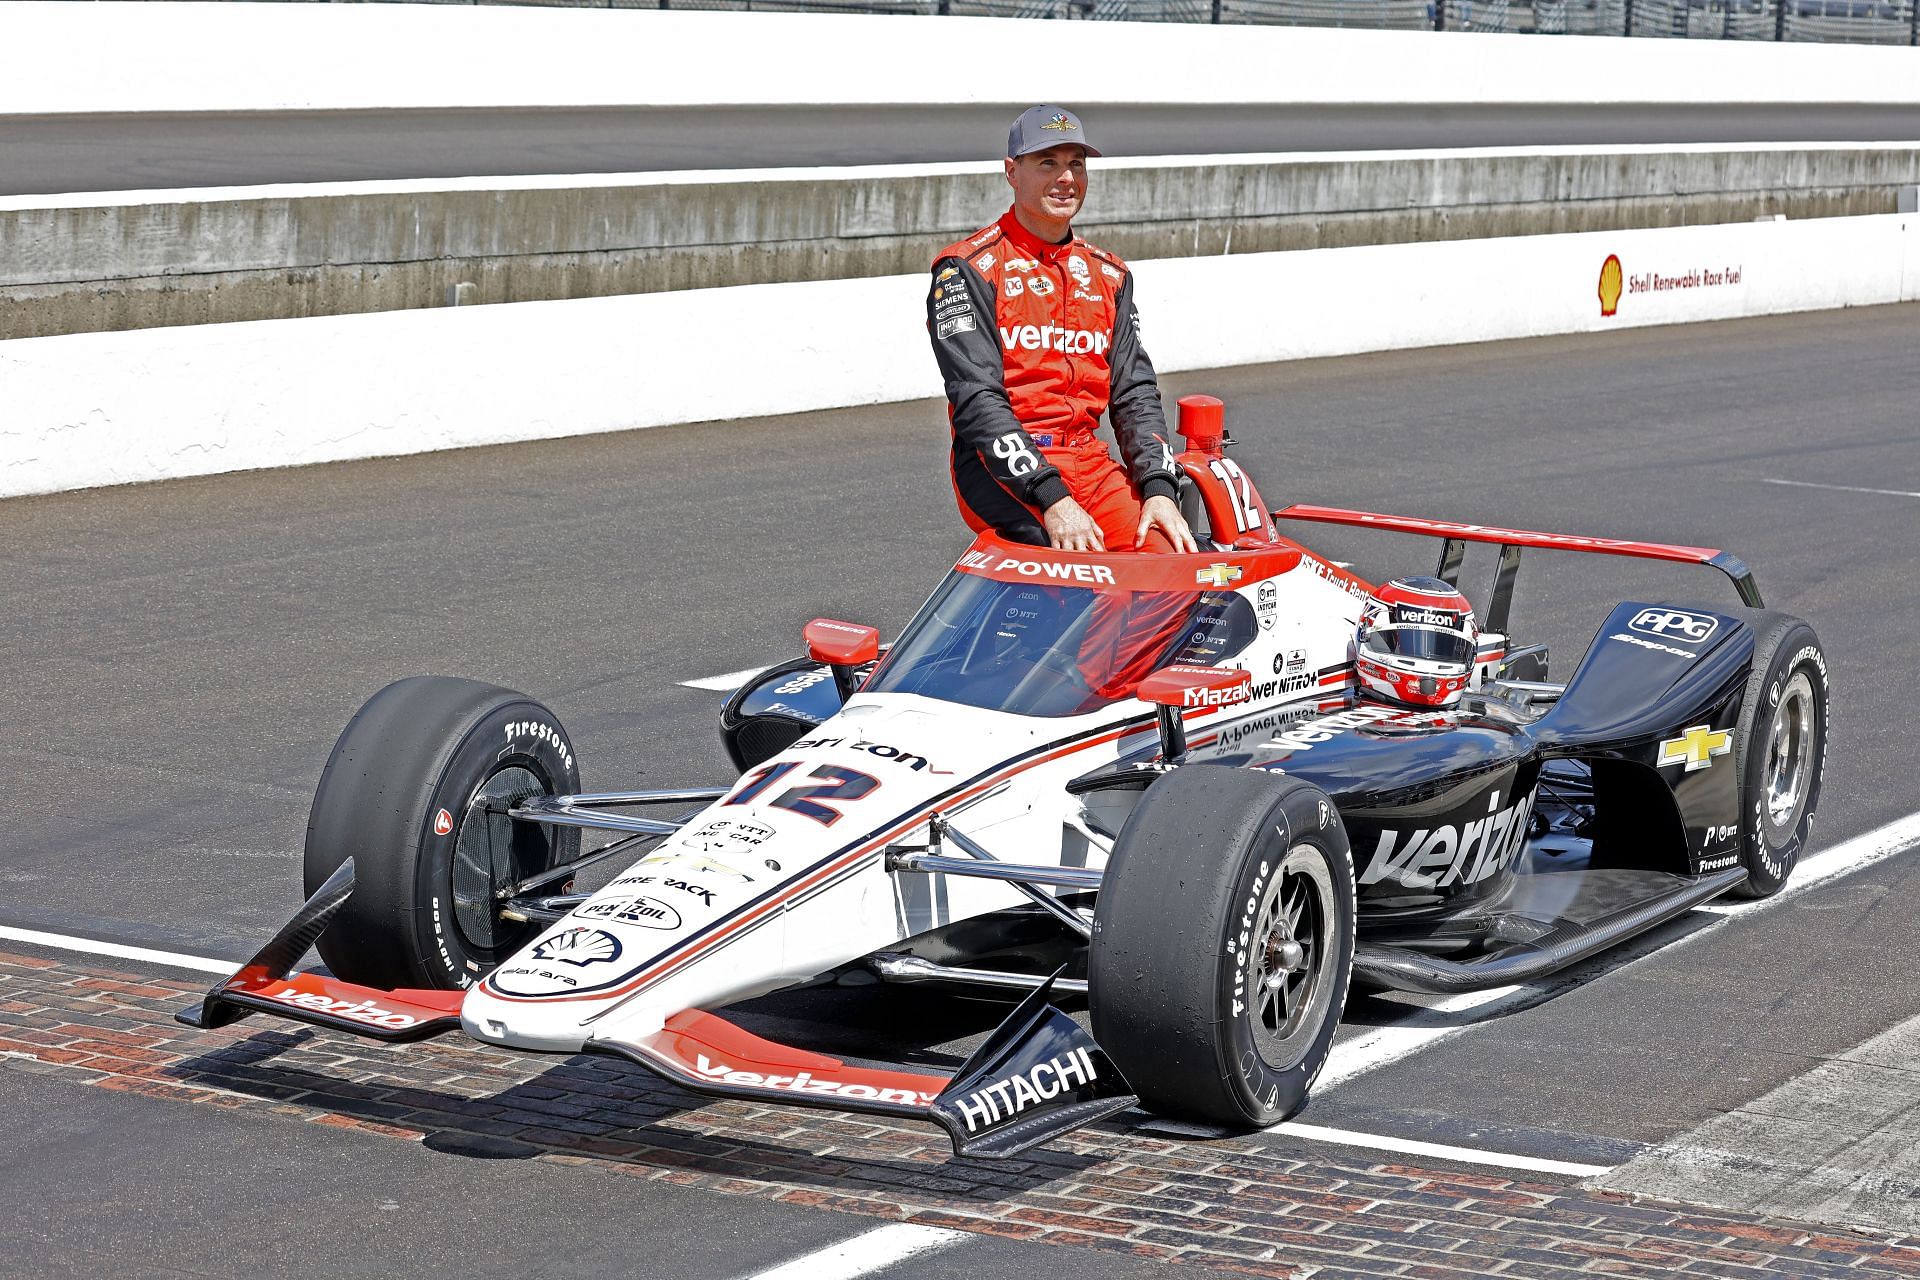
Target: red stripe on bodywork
[(1497, 535), (680, 959)]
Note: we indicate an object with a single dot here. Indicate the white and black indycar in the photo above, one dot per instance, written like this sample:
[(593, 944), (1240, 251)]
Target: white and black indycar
[(1141, 783)]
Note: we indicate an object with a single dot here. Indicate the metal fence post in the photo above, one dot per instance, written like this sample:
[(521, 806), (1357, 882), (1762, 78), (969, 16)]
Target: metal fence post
[(1913, 16), (1626, 28), (1780, 21), (1216, 12)]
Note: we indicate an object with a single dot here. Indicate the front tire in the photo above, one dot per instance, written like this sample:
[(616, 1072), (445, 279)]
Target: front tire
[(415, 793), (1781, 749), (1223, 944)]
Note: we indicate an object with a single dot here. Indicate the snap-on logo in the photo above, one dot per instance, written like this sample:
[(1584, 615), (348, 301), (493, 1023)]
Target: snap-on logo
[(1046, 337), (1670, 624)]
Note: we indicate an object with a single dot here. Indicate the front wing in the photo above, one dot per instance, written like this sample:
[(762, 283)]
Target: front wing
[(1039, 1075)]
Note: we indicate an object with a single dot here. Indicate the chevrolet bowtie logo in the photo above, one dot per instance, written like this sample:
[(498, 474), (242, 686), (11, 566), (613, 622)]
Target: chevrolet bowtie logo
[(1696, 748), (1217, 575)]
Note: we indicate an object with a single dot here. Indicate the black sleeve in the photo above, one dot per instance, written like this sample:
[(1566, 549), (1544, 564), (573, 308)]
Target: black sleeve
[(1133, 405), (961, 320)]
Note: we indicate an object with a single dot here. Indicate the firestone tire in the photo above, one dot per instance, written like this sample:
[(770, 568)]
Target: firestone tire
[(406, 795), (1781, 748), (1223, 944)]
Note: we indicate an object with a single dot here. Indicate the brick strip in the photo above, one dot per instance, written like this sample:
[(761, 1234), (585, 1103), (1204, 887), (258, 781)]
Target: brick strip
[(1249, 1206)]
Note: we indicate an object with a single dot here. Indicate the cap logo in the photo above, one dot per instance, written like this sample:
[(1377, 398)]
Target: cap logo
[(1060, 122)]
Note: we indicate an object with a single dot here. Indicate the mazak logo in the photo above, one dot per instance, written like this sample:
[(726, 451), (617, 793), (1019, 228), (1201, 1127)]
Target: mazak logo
[(1222, 696), (580, 947), (1675, 624), (1046, 337), (1042, 1082), (806, 1082), (352, 1010)]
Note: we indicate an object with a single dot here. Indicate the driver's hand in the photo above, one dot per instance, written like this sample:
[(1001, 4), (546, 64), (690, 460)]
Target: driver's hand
[(1163, 513), (1070, 528)]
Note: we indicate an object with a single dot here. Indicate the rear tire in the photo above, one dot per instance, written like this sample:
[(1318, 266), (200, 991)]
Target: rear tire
[(405, 794), (1781, 748), (1223, 944)]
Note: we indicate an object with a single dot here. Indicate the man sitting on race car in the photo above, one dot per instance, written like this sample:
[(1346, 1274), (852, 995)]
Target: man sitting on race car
[(1036, 336), (1416, 643)]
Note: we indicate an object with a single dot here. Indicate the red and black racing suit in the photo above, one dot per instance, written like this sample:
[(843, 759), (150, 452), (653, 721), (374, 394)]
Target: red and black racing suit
[(1035, 342)]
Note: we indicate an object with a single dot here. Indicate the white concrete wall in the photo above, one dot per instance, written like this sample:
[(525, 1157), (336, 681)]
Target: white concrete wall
[(66, 57), (110, 408)]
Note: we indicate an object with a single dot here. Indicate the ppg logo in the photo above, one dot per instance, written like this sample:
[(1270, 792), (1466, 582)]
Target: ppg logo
[(1671, 624)]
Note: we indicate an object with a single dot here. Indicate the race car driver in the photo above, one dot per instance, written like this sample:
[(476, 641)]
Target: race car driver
[(1036, 336)]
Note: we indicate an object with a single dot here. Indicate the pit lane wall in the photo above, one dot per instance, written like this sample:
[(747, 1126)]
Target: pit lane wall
[(87, 264), (108, 408)]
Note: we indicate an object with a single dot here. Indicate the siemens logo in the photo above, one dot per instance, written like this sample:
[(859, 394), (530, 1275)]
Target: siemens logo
[(1044, 337)]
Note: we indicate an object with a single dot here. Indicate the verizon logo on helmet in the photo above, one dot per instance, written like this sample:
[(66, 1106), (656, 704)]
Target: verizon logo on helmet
[(1045, 337), (993, 1103)]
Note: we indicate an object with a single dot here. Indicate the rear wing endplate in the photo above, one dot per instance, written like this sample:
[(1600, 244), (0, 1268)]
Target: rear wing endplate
[(1455, 537)]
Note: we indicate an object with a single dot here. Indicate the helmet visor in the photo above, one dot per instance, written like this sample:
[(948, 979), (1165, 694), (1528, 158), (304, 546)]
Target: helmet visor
[(1422, 643)]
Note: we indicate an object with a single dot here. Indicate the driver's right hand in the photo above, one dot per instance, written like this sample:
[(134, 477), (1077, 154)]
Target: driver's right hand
[(1070, 528)]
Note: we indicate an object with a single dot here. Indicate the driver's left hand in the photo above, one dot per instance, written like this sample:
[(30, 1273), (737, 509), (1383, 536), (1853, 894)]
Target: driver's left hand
[(1162, 513)]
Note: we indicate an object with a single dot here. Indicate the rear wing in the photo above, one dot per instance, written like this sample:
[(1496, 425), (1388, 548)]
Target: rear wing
[(1453, 551)]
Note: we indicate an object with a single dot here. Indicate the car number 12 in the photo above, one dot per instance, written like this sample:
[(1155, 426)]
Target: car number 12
[(837, 784)]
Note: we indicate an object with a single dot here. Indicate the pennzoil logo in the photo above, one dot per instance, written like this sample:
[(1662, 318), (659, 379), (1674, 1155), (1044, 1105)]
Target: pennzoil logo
[(1696, 748)]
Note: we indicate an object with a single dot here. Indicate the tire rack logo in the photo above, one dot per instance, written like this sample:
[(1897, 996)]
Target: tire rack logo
[(579, 947), (1695, 748), (1675, 624), (1042, 1082), (806, 1082), (647, 913), (365, 1011), (1439, 856)]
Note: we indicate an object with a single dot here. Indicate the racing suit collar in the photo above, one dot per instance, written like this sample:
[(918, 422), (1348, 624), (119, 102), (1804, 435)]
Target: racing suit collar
[(1031, 245)]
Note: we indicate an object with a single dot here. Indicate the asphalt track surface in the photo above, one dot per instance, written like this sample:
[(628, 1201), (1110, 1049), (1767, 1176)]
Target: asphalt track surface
[(43, 155), (175, 660)]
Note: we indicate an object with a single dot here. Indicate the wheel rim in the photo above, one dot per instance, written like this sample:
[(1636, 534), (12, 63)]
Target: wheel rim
[(492, 851), (1292, 981), (1789, 767)]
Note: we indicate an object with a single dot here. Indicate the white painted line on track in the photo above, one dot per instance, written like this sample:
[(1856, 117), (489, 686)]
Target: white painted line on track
[(1437, 1150), (723, 684), (1437, 1019), (1844, 488), (171, 959), (865, 1253), (1400, 1146)]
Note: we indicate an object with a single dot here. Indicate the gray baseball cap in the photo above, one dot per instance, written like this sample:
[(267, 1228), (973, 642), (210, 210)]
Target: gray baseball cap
[(1041, 127)]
